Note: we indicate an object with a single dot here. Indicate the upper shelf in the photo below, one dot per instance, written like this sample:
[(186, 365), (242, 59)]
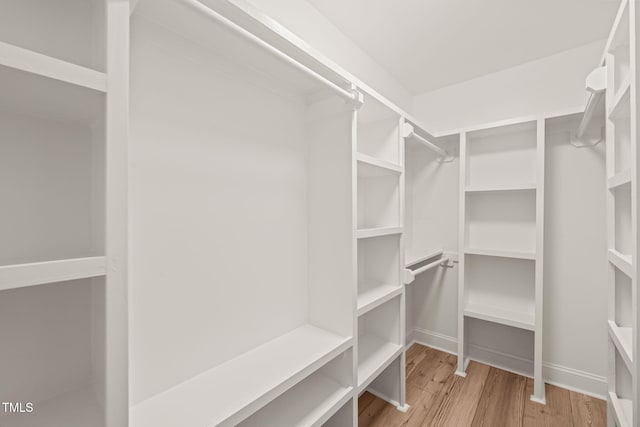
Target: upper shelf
[(38, 273), (495, 188), (620, 179), (366, 233), (413, 257), (41, 86), (621, 107), (621, 261), (222, 395), (369, 166), (46, 66)]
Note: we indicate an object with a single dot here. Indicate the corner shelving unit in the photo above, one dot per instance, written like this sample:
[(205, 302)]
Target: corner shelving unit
[(622, 220), (63, 276), (500, 236), (380, 302)]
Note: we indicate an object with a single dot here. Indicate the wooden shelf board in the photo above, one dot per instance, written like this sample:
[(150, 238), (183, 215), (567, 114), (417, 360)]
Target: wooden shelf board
[(622, 410), (522, 320), (76, 409), (620, 107), (310, 403), (270, 370), (376, 296), (369, 166), (621, 262), (412, 257), (622, 338), (619, 179), (44, 98), (501, 254), (374, 355), (491, 188), (366, 233), (39, 273), (46, 66)]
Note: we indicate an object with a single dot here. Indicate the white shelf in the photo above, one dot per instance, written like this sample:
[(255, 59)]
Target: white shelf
[(369, 166), (522, 320), (489, 188), (501, 254), (622, 410), (308, 404), (374, 355), (619, 179), (622, 338), (620, 107), (416, 257), (376, 296), (622, 262), (45, 66), (242, 385), (366, 233), (38, 273), (76, 409)]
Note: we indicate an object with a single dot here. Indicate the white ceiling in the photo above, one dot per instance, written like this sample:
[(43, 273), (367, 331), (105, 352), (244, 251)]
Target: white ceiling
[(427, 44)]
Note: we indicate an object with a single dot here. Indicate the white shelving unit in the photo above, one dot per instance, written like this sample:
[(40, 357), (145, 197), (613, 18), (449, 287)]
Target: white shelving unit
[(501, 235), (622, 205), (243, 385), (63, 276), (380, 304)]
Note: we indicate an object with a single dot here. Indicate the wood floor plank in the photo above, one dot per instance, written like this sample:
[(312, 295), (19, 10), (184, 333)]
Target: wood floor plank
[(534, 413), (487, 397), (368, 416), (587, 411), (415, 354), (424, 371), (434, 391), (558, 407), (502, 401), (390, 416), (461, 401)]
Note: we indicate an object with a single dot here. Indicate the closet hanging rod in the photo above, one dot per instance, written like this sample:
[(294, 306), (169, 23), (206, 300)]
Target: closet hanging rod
[(410, 275), (596, 84), (429, 266), (353, 96), (409, 132)]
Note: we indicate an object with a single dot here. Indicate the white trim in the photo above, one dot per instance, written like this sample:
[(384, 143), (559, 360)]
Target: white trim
[(561, 376), (575, 380), (400, 408), (433, 340)]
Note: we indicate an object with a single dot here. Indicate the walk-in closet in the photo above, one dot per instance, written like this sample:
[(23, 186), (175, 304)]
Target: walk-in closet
[(305, 213)]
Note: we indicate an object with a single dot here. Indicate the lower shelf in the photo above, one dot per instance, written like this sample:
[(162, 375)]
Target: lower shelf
[(374, 355), (522, 320), (622, 410), (622, 338), (372, 298), (77, 409), (270, 370), (310, 403)]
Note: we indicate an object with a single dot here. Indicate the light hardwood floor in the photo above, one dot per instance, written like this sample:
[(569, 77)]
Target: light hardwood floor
[(487, 397)]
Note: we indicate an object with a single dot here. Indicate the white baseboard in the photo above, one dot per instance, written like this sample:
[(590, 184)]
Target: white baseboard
[(561, 376), (575, 380), (434, 340)]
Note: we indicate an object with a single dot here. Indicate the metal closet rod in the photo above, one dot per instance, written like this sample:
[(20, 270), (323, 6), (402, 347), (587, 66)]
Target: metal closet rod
[(409, 132), (596, 83), (592, 104), (349, 95), (443, 260)]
